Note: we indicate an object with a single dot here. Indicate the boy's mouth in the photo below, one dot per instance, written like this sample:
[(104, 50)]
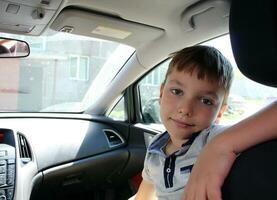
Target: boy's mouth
[(182, 123)]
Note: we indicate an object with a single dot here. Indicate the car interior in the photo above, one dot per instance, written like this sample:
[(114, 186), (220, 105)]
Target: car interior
[(79, 90)]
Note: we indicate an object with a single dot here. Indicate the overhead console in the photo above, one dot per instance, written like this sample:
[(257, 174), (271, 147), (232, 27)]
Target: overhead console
[(7, 164), (26, 16)]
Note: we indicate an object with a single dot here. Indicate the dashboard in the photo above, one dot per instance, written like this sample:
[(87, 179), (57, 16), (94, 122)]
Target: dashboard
[(57, 158)]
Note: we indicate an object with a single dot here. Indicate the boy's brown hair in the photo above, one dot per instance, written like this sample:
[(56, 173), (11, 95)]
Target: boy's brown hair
[(208, 62)]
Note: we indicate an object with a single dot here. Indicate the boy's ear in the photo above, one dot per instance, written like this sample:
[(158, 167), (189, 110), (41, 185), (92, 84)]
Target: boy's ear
[(221, 111), (161, 91)]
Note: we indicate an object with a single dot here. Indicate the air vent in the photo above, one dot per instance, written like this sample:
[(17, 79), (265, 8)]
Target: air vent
[(24, 149), (114, 139)]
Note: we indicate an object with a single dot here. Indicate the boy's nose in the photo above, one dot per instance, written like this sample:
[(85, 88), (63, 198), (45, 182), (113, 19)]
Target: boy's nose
[(185, 109)]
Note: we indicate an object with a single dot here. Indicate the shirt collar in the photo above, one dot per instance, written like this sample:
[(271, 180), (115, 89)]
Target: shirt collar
[(158, 145), (191, 139)]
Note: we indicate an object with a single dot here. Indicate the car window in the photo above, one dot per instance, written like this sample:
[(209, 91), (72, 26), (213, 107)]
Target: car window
[(246, 96), (63, 73), (118, 112)]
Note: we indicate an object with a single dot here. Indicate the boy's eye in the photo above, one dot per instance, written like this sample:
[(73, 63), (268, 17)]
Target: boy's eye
[(206, 101), (177, 92)]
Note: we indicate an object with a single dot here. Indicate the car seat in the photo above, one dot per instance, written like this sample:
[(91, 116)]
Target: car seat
[(254, 174), (253, 33)]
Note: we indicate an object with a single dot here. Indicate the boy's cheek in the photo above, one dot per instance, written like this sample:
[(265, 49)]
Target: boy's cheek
[(166, 105), (208, 117), (168, 101)]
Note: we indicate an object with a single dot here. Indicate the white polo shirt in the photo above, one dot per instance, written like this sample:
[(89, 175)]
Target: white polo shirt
[(169, 174)]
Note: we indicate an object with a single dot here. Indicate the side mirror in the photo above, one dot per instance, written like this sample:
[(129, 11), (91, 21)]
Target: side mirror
[(13, 48)]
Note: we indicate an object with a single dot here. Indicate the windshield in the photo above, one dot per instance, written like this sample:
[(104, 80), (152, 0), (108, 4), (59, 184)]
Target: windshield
[(63, 73)]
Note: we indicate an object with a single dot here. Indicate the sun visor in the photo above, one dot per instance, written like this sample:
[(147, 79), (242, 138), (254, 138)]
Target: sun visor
[(105, 27)]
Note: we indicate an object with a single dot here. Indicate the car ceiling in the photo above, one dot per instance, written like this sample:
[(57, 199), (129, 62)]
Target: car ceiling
[(170, 19), (156, 28)]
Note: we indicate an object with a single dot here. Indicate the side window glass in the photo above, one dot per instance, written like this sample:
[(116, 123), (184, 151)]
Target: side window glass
[(246, 96), (119, 112), (149, 90)]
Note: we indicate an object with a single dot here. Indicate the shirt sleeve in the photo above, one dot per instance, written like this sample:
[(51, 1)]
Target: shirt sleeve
[(146, 175), (215, 130), (145, 172)]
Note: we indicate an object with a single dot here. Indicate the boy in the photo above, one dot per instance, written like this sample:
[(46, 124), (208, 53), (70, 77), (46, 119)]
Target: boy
[(192, 98)]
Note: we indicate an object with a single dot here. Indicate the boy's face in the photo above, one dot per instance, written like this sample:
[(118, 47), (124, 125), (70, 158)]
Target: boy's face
[(189, 104)]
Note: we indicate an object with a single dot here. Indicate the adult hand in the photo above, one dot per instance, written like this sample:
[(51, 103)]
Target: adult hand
[(210, 171)]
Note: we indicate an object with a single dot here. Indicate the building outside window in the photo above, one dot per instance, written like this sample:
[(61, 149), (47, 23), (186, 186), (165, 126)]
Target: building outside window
[(79, 67)]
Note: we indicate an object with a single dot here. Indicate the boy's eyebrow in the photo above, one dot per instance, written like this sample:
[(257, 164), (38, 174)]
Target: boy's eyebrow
[(210, 93), (175, 81)]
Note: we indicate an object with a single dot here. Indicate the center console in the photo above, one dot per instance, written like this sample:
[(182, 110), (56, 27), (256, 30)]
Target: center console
[(7, 164)]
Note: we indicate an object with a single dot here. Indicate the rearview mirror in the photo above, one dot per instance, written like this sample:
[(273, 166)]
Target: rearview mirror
[(12, 48)]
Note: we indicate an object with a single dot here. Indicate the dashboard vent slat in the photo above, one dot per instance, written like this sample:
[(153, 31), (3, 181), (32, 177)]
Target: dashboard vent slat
[(114, 139), (24, 149)]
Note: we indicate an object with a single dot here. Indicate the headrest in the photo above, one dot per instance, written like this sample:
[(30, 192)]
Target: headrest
[(253, 33)]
